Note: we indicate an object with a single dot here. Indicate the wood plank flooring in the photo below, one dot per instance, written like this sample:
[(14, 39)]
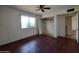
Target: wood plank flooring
[(41, 44)]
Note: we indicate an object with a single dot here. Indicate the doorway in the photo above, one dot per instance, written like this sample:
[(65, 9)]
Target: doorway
[(70, 26), (48, 25)]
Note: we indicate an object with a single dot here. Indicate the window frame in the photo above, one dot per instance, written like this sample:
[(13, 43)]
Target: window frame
[(29, 22)]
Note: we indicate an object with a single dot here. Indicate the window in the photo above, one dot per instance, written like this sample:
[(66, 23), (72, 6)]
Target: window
[(28, 22), (73, 23)]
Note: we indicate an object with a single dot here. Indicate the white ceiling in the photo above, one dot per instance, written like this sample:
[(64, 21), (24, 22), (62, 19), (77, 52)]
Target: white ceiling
[(32, 8)]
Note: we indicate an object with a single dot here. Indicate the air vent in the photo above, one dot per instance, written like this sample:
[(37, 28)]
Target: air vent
[(71, 10)]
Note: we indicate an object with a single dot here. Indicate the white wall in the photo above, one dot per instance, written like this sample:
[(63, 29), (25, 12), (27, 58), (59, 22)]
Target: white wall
[(44, 27), (10, 25), (61, 25), (55, 26), (77, 27), (39, 24), (50, 27)]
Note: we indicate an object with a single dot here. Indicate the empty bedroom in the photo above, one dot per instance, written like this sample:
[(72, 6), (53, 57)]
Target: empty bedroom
[(39, 29)]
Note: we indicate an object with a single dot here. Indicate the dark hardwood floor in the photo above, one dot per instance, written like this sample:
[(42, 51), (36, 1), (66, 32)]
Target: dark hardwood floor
[(41, 44)]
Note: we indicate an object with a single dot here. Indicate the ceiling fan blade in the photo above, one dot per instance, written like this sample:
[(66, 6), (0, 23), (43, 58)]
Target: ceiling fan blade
[(37, 9), (42, 10), (47, 8)]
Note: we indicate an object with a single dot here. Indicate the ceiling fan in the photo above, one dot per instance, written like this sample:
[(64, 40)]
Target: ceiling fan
[(42, 8)]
